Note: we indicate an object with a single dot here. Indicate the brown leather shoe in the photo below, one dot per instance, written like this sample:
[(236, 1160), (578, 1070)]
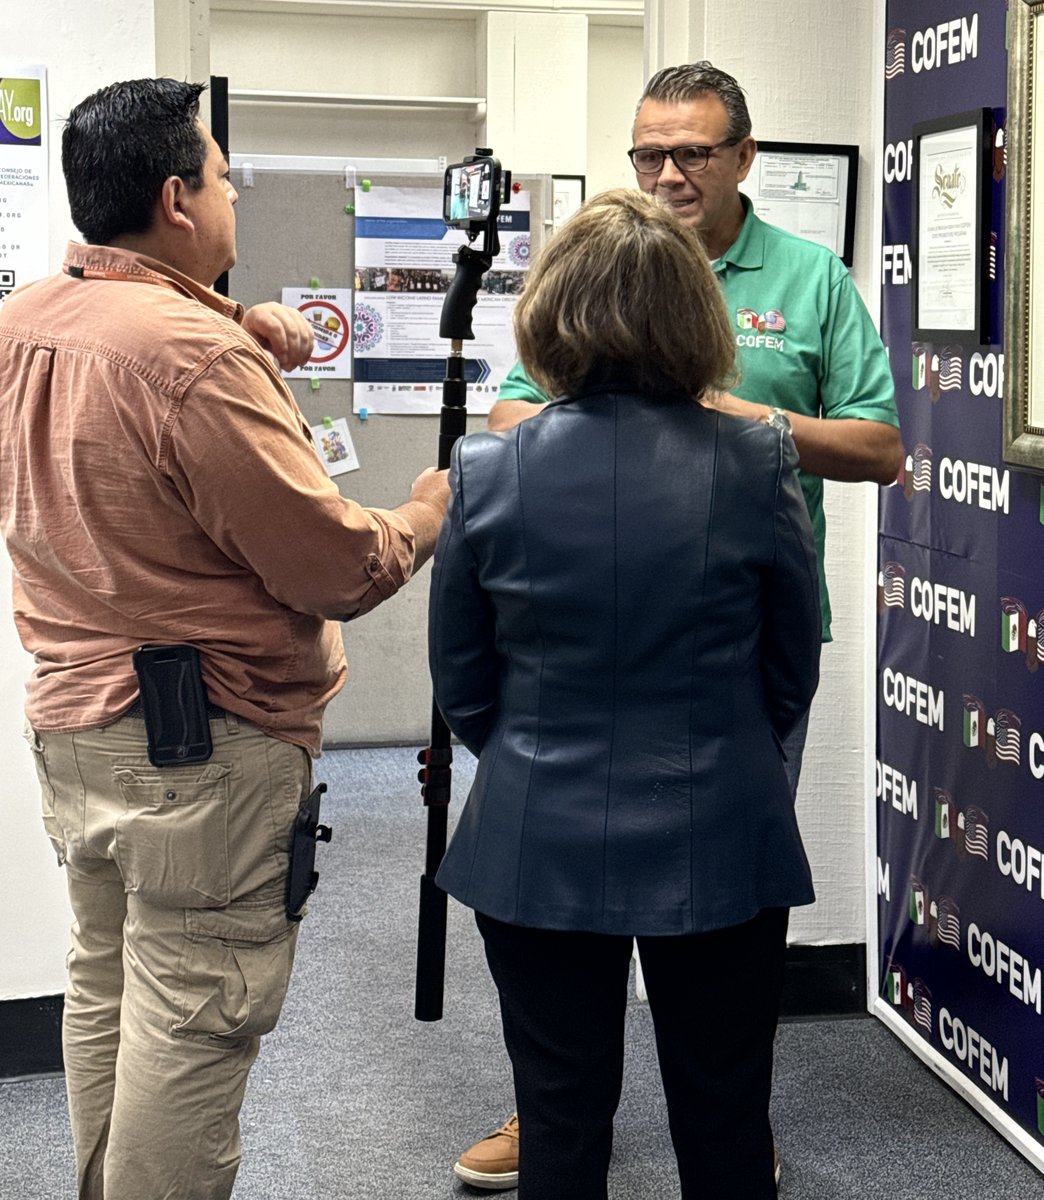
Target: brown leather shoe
[(493, 1162)]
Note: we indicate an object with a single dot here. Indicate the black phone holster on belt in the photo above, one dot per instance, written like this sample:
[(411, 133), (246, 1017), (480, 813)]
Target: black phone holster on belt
[(173, 705)]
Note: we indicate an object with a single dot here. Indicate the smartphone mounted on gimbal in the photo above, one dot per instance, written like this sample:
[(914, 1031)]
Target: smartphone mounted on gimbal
[(471, 193)]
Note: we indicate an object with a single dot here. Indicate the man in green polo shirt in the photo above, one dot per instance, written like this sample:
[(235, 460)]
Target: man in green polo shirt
[(809, 355), (805, 342)]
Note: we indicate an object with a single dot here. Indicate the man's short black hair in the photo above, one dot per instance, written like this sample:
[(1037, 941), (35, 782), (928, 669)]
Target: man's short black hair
[(118, 147)]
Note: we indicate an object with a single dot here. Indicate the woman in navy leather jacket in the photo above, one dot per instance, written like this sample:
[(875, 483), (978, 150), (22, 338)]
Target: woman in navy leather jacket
[(624, 624)]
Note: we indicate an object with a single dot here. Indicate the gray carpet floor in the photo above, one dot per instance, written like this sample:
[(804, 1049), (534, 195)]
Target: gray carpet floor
[(351, 1097)]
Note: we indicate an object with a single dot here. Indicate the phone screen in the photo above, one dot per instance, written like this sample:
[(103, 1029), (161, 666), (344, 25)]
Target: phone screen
[(468, 194)]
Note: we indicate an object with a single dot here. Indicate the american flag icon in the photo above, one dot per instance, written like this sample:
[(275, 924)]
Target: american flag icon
[(951, 369), (894, 585), (976, 832), (1040, 635), (1008, 736), (922, 1005), (993, 255), (922, 468), (933, 373), (948, 926), (895, 53), (772, 321)]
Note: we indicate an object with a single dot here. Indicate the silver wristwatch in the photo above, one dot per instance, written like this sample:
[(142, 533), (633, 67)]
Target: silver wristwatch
[(776, 418)]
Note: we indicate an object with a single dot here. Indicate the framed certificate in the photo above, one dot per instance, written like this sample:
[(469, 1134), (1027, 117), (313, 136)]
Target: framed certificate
[(1024, 237), (567, 194), (951, 235), (807, 189)]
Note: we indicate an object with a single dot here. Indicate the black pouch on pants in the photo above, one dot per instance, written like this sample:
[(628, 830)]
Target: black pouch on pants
[(303, 876)]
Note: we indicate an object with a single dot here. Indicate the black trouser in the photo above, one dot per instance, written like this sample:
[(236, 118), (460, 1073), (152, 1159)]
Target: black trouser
[(715, 1001)]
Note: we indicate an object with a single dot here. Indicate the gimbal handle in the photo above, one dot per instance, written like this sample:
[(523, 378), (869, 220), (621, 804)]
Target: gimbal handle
[(459, 305)]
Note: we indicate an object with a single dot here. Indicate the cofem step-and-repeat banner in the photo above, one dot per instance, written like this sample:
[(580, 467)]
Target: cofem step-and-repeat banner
[(960, 678)]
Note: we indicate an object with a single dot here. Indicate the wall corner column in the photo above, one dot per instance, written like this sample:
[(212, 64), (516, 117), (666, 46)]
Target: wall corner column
[(675, 32), (182, 30), (533, 69)]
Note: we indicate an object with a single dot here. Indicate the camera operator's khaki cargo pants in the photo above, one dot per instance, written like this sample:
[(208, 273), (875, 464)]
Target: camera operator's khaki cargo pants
[(181, 947)]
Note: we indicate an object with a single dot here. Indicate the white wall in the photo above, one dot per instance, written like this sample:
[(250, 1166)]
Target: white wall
[(542, 99), (533, 68), (83, 46), (614, 83), (345, 54)]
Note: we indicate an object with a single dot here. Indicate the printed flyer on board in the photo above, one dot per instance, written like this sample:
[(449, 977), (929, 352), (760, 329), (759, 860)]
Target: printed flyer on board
[(23, 176), (403, 268)]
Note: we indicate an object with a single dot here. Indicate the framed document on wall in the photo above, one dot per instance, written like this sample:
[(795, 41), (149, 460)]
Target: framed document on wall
[(567, 194), (807, 189), (951, 234), (1024, 237)]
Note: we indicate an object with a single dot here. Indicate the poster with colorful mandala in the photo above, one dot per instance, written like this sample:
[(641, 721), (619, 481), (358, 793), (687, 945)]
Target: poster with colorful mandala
[(368, 327), (403, 268)]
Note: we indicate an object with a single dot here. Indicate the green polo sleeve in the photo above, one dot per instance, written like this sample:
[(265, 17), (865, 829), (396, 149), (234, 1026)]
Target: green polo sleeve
[(857, 378), (518, 386)]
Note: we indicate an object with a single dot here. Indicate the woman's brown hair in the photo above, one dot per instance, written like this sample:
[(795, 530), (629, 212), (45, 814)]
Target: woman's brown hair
[(625, 285)]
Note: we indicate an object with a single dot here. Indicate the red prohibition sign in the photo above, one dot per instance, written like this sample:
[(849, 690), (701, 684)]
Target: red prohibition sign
[(323, 330)]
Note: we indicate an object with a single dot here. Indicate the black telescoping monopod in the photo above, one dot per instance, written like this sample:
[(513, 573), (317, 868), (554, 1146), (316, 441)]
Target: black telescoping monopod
[(485, 184)]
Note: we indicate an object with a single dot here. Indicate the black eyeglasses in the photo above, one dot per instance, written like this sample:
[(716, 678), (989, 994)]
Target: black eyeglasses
[(649, 160)]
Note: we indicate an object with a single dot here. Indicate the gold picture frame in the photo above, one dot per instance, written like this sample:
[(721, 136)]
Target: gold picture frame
[(1024, 239)]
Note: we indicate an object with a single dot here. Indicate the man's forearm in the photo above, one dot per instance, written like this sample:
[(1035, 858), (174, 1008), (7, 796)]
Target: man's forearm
[(425, 520), (847, 449)]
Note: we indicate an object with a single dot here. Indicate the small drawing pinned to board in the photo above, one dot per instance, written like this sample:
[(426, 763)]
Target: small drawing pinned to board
[(334, 443)]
